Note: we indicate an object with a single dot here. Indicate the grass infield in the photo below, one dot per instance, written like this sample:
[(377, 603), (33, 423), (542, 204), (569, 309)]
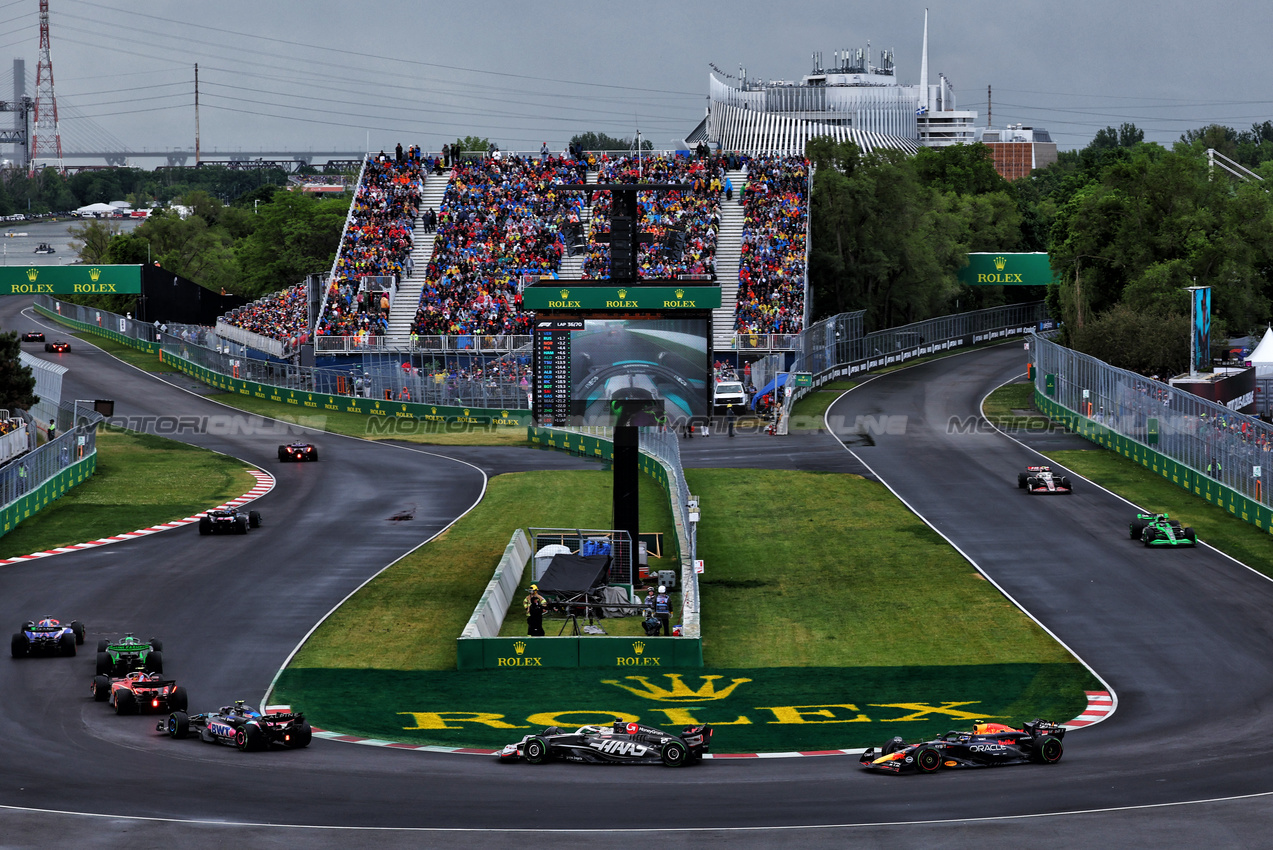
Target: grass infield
[(140, 481)]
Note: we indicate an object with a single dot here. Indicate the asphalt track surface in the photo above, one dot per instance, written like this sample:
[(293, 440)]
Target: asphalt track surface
[(1182, 638)]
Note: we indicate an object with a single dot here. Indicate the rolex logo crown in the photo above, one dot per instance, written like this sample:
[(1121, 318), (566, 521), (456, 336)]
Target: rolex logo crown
[(565, 293), (1000, 262), (519, 647), (94, 274), (678, 691), (680, 293), (623, 293), (32, 274), (638, 647)]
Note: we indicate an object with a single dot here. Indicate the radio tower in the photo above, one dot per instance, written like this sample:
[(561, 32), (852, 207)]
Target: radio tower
[(46, 139)]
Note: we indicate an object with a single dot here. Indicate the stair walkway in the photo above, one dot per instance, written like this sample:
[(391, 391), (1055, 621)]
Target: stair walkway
[(729, 243), (407, 301), (571, 268)]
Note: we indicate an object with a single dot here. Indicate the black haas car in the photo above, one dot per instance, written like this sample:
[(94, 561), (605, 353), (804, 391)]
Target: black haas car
[(33, 336), (58, 346), (1041, 479), (229, 521), (240, 725), (987, 745), (297, 451), (47, 637), (620, 743)]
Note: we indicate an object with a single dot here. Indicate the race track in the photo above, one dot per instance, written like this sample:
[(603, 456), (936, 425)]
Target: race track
[(1181, 637)]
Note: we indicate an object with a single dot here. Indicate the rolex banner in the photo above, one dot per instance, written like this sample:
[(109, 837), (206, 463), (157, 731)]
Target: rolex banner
[(1007, 270), (70, 280)]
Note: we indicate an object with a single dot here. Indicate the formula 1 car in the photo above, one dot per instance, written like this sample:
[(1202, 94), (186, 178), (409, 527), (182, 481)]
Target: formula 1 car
[(987, 745), (47, 637), (242, 726), (33, 336), (297, 451), (620, 743), (118, 658), (1161, 530), (140, 691), (58, 346), (229, 521), (1041, 479)]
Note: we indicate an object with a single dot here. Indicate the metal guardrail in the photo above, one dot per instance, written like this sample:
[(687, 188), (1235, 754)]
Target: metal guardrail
[(1230, 448), (28, 472)]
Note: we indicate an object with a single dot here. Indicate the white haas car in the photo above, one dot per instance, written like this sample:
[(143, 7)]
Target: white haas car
[(1041, 479), (619, 743)]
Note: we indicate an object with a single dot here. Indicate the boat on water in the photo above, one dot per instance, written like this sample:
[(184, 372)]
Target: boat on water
[(45, 248)]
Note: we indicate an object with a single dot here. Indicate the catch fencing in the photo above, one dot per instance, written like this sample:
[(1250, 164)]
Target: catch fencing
[(1202, 445), (33, 480)]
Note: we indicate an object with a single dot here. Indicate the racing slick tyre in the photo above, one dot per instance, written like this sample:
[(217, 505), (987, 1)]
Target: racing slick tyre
[(1150, 535), (249, 737), (102, 644), (254, 519), (18, 646), (126, 702), (101, 688), (313, 455), (893, 746), (535, 751), (77, 628), (300, 736), (1135, 528), (1049, 752), (927, 760), (1065, 482), (178, 724), (155, 662), (205, 525), (103, 663), (66, 644), (156, 644), (675, 753), (1191, 535), (282, 455), (1020, 480), (241, 525), (179, 701)]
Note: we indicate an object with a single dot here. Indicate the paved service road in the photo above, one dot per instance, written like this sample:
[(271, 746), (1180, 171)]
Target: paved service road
[(1180, 636)]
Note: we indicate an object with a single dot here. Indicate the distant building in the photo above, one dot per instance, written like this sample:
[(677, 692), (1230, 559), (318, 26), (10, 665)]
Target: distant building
[(1018, 150), (851, 100)]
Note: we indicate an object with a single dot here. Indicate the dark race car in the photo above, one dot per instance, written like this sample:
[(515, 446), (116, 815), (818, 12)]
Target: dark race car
[(229, 521), (33, 336), (1161, 530), (58, 346), (620, 743), (987, 745), (140, 691), (1041, 479), (121, 657), (297, 451), (242, 726), (47, 637)]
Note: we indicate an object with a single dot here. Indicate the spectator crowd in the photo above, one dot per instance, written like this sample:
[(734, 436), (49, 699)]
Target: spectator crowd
[(771, 268), (283, 315)]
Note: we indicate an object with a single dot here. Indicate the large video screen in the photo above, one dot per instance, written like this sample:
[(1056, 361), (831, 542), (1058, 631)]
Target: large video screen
[(612, 359)]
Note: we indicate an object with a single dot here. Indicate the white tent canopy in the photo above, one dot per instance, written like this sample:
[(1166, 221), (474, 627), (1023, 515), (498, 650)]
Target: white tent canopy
[(94, 209), (1262, 357)]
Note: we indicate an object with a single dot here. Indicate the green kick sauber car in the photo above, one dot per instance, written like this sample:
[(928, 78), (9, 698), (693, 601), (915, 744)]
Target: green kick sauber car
[(121, 657), (1161, 530)]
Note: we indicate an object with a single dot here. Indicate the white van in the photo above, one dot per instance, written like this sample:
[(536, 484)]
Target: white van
[(729, 394)]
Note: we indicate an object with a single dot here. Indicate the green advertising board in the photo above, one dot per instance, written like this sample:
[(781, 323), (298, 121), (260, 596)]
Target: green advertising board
[(70, 280), (569, 295), (1007, 269)]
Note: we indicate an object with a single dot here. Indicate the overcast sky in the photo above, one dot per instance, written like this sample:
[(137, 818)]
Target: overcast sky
[(324, 75)]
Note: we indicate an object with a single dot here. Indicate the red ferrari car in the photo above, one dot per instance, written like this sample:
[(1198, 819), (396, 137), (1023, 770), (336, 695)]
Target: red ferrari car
[(140, 691)]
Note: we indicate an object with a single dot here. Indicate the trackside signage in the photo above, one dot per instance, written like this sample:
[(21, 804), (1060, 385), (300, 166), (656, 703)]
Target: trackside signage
[(70, 280), (571, 297), (1007, 269), (515, 654)]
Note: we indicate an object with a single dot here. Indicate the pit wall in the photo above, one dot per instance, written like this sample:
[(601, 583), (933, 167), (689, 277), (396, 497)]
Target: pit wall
[(1177, 473)]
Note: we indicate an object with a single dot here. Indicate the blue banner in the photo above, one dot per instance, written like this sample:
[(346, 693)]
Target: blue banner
[(1201, 328)]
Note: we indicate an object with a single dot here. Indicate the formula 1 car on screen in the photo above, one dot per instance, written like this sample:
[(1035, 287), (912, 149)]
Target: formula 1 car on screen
[(1161, 530), (33, 336), (119, 658), (298, 451), (47, 637), (987, 745), (1041, 479), (242, 726), (620, 743), (229, 521), (58, 346), (140, 691)]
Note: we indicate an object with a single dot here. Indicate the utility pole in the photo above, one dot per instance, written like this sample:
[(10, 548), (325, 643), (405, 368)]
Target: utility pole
[(989, 110), (196, 113)]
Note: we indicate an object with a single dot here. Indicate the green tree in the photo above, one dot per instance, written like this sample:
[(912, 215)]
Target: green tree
[(470, 143), (294, 235), (92, 239), (17, 382), (593, 141), (1132, 339)]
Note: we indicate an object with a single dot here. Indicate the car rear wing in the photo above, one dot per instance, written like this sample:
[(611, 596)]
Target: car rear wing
[(1044, 727)]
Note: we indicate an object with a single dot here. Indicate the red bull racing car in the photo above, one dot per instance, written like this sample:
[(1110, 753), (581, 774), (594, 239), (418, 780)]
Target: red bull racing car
[(619, 743), (139, 691), (1041, 479), (987, 745), (240, 725)]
